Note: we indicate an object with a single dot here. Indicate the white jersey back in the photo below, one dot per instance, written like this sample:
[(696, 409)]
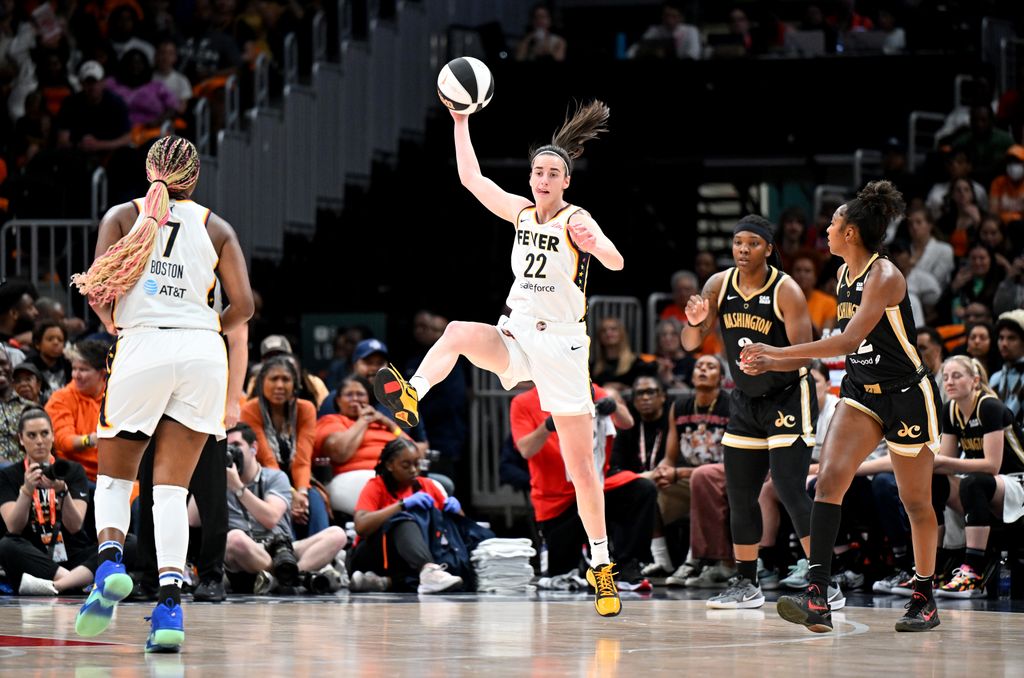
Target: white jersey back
[(176, 289), (550, 271)]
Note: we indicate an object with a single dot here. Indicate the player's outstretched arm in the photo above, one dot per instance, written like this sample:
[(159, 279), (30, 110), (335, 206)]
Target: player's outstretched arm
[(589, 237), (493, 197)]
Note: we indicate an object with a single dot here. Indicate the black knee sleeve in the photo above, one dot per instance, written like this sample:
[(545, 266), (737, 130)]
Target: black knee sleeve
[(940, 495), (745, 473), (789, 475), (976, 492)]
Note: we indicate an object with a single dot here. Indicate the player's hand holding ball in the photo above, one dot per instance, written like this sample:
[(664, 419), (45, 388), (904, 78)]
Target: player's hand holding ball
[(465, 86)]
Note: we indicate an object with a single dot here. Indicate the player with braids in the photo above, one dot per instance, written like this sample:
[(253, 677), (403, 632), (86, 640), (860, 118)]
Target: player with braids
[(172, 165), (543, 336), (153, 284), (887, 393)]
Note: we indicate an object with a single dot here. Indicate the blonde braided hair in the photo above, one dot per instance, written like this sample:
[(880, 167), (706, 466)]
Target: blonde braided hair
[(172, 167)]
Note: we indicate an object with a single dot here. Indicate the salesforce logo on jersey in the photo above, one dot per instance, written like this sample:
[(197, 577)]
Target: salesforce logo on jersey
[(152, 288)]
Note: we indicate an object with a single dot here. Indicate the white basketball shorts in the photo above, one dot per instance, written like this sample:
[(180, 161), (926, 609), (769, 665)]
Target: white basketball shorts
[(554, 356), (179, 373)]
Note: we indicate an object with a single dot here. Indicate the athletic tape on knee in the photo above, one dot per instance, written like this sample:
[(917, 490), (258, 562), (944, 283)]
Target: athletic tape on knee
[(113, 504), (170, 525)]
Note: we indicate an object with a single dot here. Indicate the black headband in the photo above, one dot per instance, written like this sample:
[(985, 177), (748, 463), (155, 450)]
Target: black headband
[(756, 229), (562, 154)]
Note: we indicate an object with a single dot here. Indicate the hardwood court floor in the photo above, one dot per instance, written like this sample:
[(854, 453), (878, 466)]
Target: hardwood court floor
[(550, 635)]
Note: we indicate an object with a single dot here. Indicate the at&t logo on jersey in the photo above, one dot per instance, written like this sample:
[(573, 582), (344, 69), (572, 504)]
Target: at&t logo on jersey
[(150, 287)]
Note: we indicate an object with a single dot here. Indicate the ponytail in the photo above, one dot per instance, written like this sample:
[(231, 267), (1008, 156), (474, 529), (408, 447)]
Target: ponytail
[(172, 165), (585, 123), (976, 369)]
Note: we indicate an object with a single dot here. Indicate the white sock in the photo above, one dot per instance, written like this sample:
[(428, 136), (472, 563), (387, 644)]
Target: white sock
[(172, 578), (659, 549), (420, 383), (599, 552), (113, 504), (170, 526)]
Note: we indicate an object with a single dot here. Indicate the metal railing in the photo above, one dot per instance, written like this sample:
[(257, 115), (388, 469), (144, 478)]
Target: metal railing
[(626, 309), (489, 427), (823, 190), (865, 159), (922, 127), (98, 194), (300, 147), (46, 253)]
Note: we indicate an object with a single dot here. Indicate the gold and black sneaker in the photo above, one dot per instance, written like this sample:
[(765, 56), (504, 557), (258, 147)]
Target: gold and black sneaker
[(399, 397), (606, 594)]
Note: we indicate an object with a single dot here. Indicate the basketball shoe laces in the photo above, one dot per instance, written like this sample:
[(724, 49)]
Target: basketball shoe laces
[(917, 603), (605, 582)]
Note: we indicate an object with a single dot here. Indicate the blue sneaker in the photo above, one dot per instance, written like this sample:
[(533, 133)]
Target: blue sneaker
[(167, 628), (111, 586)]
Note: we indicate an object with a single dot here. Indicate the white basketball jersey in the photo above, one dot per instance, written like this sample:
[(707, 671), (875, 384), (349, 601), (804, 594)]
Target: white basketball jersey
[(176, 289), (550, 271)]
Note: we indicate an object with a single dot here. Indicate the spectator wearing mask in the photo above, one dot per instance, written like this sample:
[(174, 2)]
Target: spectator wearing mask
[(1008, 383), (48, 340), (1006, 196), (75, 409), (11, 407), (45, 551), (391, 547), (351, 442), (285, 426), (630, 500), (259, 527)]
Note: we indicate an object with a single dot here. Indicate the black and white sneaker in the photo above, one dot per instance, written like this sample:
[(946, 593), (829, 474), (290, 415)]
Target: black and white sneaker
[(921, 615), (741, 594)]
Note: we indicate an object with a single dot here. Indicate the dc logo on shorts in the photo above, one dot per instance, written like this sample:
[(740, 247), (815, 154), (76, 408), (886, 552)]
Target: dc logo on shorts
[(150, 287)]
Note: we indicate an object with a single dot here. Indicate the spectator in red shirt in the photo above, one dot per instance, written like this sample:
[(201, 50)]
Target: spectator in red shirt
[(390, 548), (352, 441), (630, 499)]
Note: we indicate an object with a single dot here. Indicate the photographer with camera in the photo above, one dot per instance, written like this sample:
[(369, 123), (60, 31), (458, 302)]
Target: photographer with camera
[(261, 555), (43, 501)]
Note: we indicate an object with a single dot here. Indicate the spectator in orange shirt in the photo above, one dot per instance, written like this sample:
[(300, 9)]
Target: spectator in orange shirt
[(821, 306), (75, 409), (684, 286), (285, 427), (1006, 196), (352, 442)]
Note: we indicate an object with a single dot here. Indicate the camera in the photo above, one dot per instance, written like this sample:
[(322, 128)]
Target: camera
[(235, 457), (429, 458), (283, 562), (55, 471), (327, 580)]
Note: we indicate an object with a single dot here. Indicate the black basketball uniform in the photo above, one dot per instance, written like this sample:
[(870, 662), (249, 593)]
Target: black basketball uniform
[(775, 409), (987, 415), (885, 378)]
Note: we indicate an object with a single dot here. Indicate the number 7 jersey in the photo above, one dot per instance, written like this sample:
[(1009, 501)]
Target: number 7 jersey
[(176, 289), (550, 270)]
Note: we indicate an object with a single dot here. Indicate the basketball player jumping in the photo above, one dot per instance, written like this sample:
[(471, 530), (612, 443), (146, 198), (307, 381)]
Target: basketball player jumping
[(152, 284), (887, 393), (544, 336), (773, 415)]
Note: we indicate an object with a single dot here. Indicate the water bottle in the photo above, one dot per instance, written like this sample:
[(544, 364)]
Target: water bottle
[(1004, 575)]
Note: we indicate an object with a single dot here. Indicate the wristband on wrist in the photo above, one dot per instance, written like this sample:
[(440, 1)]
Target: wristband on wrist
[(85, 441), (696, 327)]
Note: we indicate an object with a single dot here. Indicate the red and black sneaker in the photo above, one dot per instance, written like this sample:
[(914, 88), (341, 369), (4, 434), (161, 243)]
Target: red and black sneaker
[(921, 615), (397, 395), (809, 608)]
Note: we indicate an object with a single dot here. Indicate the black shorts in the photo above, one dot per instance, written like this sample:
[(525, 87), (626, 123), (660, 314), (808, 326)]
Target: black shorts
[(909, 418), (773, 421)]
